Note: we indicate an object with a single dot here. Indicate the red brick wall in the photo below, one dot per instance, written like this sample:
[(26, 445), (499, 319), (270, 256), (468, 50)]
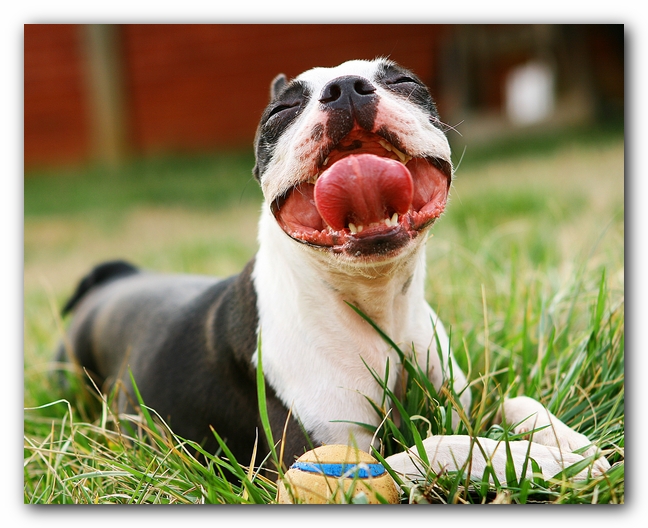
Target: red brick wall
[(55, 97), (204, 86), (189, 88)]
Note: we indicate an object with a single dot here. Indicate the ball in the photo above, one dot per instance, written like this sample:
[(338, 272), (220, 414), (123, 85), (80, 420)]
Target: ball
[(337, 474)]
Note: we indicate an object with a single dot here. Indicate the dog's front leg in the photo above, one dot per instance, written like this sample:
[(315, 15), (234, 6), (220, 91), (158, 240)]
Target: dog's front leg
[(530, 416), (552, 447), (473, 455)]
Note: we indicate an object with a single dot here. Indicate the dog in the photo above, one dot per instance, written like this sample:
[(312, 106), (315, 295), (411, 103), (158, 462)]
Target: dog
[(355, 168)]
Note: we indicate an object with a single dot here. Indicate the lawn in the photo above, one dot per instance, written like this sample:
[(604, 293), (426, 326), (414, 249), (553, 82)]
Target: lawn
[(526, 269)]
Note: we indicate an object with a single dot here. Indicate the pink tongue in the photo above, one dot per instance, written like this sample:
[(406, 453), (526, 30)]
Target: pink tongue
[(362, 189)]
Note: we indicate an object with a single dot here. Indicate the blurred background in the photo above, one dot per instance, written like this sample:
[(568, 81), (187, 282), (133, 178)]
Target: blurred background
[(138, 145), (109, 93)]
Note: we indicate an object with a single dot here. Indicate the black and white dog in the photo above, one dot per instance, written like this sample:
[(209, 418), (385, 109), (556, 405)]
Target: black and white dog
[(355, 168)]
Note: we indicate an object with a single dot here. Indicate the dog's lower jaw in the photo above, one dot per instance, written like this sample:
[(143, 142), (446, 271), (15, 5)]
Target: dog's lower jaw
[(306, 326)]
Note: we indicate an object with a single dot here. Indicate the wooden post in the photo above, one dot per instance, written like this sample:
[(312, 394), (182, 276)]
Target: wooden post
[(105, 83)]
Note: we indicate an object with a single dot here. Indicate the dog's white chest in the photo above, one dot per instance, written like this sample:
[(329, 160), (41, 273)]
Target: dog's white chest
[(319, 355)]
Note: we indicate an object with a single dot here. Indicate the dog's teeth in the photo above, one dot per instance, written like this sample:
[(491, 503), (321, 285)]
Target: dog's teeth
[(402, 156), (391, 222), (326, 160), (353, 228), (384, 144), (397, 154), (360, 228)]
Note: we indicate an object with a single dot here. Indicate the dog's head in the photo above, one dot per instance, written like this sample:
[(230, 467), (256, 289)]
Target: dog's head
[(352, 160)]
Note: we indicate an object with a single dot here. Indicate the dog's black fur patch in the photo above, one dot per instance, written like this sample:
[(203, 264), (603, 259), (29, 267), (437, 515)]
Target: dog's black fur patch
[(407, 85), (288, 102), (204, 385)]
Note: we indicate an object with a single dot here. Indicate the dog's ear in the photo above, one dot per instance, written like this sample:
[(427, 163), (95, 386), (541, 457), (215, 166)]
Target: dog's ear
[(277, 84)]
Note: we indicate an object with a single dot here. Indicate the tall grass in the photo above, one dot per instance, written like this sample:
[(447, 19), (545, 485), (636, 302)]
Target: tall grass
[(525, 269)]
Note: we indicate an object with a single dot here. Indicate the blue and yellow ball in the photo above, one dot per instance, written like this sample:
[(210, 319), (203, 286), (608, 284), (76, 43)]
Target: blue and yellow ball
[(337, 474)]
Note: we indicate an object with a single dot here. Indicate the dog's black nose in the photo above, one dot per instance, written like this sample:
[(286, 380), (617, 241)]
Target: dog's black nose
[(341, 91), (348, 100)]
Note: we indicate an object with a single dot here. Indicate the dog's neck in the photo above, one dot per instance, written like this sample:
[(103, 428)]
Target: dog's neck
[(385, 292)]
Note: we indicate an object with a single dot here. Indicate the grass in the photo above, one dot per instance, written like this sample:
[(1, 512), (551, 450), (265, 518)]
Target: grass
[(526, 269), (205, 182)]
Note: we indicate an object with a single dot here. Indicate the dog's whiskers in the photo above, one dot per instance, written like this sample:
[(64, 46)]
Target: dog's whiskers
[(446, 126)]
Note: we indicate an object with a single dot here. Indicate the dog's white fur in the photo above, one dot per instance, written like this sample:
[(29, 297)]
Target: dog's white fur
[(315, 346), (316, 349)]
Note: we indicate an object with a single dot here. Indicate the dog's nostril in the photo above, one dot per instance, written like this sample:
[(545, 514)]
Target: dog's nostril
[(363, 87), (343, 87), (330, 93)]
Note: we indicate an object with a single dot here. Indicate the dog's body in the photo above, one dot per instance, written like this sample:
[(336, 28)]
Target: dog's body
[(354, 168)]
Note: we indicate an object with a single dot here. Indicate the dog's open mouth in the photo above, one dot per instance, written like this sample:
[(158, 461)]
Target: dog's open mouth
[(367, 197)]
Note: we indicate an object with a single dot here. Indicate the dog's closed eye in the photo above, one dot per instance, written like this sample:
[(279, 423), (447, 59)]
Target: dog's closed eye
[(282, 108)]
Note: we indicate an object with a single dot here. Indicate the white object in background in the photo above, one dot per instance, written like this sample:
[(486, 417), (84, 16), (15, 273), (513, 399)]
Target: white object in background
[(530, 93)]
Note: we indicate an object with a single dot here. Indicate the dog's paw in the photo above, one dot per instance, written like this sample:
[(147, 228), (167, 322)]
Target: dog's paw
[(472, 456), (534, 421)]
